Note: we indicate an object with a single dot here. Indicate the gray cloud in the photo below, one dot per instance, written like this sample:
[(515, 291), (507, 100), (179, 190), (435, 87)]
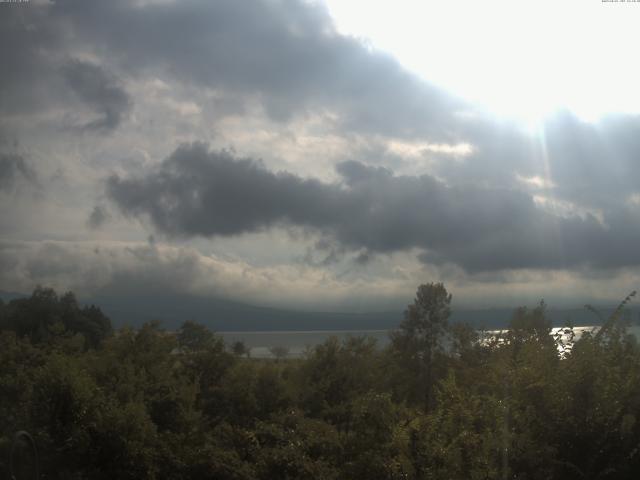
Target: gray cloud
[(240, 195), (140, 270), (285, 57), (40, 73), (29, 42), (90, 267), (594, 164), (98, 216), (285, 54), (591, 166), (200, 193), (14, 168), (99, 90)]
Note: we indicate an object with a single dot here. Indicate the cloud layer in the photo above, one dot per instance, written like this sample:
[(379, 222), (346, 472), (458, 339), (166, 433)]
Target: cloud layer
[(361, 161), (197, 192), (13, 169), (100, 91)]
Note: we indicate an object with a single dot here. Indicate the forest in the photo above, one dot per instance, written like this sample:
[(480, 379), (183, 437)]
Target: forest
[(441, 401)]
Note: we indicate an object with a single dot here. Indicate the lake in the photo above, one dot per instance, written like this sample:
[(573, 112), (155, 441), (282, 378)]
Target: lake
[(298, 341)]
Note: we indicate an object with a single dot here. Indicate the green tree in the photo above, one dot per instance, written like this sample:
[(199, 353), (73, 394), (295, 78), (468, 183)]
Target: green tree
[(334, 374), (46, 317), (240, 349), (193, 336), (420, 337)]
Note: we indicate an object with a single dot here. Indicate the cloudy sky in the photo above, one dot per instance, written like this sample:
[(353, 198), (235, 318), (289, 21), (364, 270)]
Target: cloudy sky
[(314, 155)]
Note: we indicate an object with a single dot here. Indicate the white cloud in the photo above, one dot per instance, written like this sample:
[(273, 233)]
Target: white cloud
[(536, 181)]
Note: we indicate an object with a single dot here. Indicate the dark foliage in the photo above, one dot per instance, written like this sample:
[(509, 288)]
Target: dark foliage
[(442, 401)]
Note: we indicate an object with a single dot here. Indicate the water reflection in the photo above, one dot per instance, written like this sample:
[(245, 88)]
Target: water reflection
[(261, 344)]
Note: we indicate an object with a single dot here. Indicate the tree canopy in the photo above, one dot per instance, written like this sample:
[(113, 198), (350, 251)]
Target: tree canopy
[(441, 401)]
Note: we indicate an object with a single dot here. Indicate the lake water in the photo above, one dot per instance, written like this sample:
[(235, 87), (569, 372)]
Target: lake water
[(297, 342)]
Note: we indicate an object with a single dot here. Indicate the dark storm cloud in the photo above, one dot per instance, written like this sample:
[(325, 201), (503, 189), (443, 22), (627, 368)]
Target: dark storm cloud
[(29, 44), (14, 168), (284, 53), (200, 193), (40, 73), (99, 90), (240, 195)]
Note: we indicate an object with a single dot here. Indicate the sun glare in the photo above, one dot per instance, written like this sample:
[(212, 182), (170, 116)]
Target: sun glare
[(522, 60)]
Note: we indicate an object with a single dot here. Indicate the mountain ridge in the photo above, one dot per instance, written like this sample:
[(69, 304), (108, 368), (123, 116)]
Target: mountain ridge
[(225, 315)]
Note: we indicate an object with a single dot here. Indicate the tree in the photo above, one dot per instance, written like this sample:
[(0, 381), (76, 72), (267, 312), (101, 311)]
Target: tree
[(240, 349), (334, 373), (279, 352), (49, 318), (421, 335), (193, 336)]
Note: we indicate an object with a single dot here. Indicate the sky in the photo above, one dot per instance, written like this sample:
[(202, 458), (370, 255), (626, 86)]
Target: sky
[(321, 155)]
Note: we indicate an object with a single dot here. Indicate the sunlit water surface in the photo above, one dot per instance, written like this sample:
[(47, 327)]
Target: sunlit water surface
[(298, 342)]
